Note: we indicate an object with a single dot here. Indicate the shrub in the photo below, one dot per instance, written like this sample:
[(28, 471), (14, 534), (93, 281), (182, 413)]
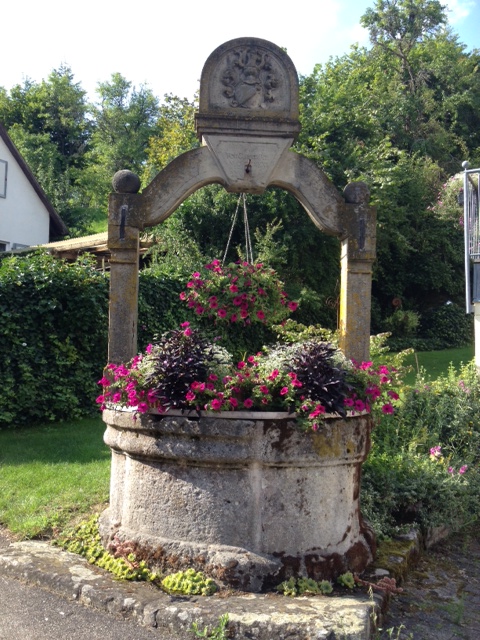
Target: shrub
[(447, 326), (403, 323), (424, 465), (54, 337)]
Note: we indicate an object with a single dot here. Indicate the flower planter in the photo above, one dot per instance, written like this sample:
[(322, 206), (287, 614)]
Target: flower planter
[(248, 498)]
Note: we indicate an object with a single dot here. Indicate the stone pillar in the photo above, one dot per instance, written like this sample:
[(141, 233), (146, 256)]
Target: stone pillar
[(123, 242), (357, 256)]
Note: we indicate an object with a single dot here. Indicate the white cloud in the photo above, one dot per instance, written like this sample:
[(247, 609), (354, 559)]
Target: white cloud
[(458, 10)]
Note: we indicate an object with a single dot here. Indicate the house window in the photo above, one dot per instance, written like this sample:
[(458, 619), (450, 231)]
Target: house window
[(3, 246), (3, 178)]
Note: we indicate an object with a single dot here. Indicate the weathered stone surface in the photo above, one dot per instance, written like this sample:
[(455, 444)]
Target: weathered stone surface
[(249, 501), (255, 616), (126, 181), (248, 120)]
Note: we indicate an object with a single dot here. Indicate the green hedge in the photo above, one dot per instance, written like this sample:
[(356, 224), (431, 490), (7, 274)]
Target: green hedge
[(53, 342)]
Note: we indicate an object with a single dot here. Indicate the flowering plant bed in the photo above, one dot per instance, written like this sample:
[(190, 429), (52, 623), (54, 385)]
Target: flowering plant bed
[(184, 371)]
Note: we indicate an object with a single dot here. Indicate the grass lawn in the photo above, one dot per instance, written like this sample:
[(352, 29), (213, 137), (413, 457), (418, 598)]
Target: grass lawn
[(50, 475), (56, 474), (436, 363)]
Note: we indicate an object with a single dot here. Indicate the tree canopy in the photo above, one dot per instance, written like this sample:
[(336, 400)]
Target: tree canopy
[(401, 115)]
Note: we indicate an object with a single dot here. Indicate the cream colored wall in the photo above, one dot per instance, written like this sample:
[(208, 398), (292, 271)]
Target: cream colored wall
[(24, 219)]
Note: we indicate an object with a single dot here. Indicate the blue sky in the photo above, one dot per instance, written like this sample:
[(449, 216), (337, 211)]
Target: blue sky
[(165, 44)]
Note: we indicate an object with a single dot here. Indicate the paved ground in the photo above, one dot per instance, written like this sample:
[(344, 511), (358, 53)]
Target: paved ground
[(441, 601), (441, 598), (28, 612)]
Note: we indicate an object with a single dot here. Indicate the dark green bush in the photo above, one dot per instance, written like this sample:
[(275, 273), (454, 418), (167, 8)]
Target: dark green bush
[(53, 342), (159, 307), (447, 326)]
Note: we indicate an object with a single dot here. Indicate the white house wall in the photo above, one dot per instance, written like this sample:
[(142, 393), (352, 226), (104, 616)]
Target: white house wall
[(24, 219)]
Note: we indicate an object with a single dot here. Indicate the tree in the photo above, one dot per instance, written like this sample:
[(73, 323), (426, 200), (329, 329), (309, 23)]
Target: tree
[(124, 119), (49, 124), (397, 26), (174, 133), (401, 116)]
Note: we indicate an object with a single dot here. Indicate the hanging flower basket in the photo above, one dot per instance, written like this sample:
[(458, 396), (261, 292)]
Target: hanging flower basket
[(239, 292)]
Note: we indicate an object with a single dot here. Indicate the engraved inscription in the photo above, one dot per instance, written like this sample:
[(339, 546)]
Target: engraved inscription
[(250, 79)]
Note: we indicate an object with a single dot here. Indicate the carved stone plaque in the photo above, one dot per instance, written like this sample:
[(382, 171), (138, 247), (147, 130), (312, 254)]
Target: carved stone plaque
[(248, 81)]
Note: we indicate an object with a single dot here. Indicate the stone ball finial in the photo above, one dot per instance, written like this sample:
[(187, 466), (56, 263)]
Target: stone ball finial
[(126, 181), (466, 165), (356, 193)]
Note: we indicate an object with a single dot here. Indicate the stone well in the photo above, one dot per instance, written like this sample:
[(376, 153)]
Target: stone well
[(247, 498)]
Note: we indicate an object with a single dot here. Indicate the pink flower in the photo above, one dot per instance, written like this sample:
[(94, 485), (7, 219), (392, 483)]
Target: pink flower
[(260, 315), (116, 397), (184, 325), (393, 395), (233, 317), (216, 404), (292, 305), (263, 389), (359, 405), (195, 275), (374, 392), (241, 365), (233, 288), (365, 366), (233, 402), (251, 359), (283, 391), (451, 470), (237, 301), (142, 407), (199, 310), (273, 375), (190, 396), (387, 408), (183, 295), (462, 470), (222, 313), (349, 402), (248, 403), (187, 332), (436, 452), (243, 313), (213, 377), (105, 382)]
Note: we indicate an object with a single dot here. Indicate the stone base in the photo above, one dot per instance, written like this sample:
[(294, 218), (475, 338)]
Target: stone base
[(249, 502)]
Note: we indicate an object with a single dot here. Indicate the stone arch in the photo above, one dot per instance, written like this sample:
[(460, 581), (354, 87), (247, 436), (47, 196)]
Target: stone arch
[(247, 122)]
